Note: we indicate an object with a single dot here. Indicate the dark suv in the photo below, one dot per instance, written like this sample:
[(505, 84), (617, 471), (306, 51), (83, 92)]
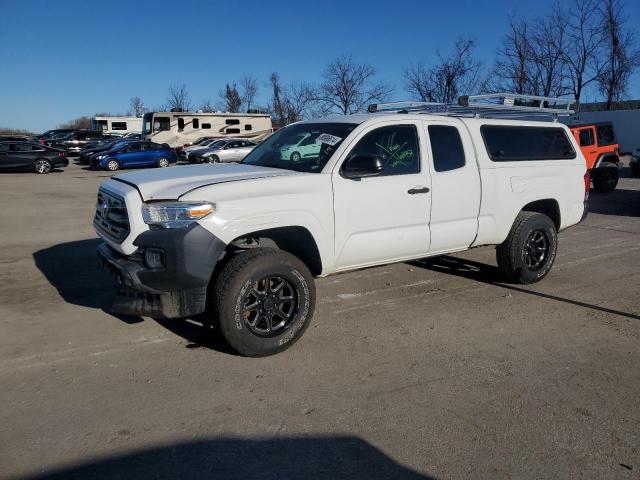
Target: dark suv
[(76, 141)]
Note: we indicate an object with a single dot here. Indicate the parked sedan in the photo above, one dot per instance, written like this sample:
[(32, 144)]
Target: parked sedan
[(227, 151), (189, 152), (30, 156), (86, 153), (135, 154), (77, 140)]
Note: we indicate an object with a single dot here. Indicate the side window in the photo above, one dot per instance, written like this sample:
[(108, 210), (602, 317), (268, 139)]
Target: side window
[(605, 135), (118, 125), (26, 147), (196, 123), (397, 147), (232, 121), (232, 130), (136, 147), (586, 137), (446, 147), (4, 147), (247, 126), (206, 125), (506, 143), (180, 123), (161, 124)]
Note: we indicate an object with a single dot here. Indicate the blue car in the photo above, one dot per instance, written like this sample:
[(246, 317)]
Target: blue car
[(134, 154)]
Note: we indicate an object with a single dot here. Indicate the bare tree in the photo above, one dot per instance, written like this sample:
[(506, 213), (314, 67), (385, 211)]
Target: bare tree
[(583, 64), (548, 42), (512, 69), (278, 105), (207, 107), (621, 58), (290, 103), (230, 100), (299, 99), (248, 90), (179, 98), (454, 73), (83, 122), (137, 106), (349, 87)]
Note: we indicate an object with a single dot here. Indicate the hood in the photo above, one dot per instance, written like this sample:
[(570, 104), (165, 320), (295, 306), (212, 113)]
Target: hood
[(173, 182), (194, 148)]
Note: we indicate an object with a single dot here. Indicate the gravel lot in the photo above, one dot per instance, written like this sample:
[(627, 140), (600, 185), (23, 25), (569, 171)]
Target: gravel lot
[(426, 370)]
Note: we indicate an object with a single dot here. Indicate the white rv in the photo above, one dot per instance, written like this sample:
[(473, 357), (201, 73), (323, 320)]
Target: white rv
[(183, 128), (117, 125)]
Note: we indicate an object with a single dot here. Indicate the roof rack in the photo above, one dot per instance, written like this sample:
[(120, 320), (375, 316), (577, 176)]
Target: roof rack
[(492, 105)]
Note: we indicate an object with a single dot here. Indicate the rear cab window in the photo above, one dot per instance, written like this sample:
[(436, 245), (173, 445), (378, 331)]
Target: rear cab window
[(509, 143)]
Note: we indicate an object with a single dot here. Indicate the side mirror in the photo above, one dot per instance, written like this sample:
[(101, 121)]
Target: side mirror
[(362, 166)]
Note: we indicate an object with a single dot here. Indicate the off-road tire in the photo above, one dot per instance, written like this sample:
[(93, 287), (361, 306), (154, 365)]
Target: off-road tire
[(605, 180), (511, 253), (237, 279), (113, 165)]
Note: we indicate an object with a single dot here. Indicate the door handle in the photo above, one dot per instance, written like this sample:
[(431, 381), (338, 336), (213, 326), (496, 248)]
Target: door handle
[(413, 191)]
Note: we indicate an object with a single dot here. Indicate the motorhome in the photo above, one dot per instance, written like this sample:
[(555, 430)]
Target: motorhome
[(117, 125), (182, 128)]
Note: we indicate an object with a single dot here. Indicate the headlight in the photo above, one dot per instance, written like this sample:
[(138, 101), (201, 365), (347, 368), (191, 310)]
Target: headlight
[(100, 157), (175, 214)]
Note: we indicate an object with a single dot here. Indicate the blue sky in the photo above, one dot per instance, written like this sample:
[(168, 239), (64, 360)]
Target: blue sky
[(63, 59)]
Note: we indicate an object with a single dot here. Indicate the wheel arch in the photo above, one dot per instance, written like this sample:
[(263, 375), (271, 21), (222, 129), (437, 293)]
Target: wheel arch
[(548, 207), (608, 159), (296, 240)]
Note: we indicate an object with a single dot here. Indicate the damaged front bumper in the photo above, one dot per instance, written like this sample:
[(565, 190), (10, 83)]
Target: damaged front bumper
[(169, 274)]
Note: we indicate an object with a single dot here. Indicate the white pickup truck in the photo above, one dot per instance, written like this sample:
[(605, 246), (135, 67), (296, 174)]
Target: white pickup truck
[(243, 242)]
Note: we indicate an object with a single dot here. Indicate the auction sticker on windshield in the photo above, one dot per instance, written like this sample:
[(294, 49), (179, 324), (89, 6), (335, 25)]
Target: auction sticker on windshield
[(328, 139)]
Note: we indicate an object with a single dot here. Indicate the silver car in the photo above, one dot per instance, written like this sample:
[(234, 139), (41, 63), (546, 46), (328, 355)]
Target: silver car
[(232, 150)]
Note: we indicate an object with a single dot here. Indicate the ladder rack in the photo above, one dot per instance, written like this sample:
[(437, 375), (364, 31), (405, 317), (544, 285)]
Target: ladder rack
[(493, 105)]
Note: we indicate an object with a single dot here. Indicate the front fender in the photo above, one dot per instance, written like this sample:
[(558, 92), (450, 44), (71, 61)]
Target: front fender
[(297, 200)]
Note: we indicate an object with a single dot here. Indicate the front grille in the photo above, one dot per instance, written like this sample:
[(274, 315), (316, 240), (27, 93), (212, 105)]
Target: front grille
[(111, 216)]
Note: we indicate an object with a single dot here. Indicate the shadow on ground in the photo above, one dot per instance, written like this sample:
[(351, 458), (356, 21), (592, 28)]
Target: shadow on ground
[(619, 202), (73, 269), (339, 457), (481, 272)]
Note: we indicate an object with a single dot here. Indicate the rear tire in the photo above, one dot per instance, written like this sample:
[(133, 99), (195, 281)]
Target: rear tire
[(163, 162), (42, 166), (113, 165), (214, 159), (295, 157), (605, 179), (528, 253), (264, 301)]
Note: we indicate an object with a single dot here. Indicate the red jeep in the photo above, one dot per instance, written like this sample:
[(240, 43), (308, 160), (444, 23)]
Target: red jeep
[(600, 148)]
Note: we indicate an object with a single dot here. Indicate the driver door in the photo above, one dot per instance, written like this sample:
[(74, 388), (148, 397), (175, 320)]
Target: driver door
[(383, 218)]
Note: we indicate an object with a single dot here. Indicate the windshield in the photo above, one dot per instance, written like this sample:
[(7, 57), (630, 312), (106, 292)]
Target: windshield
[(303, 147), (146, 123), (118, 145)]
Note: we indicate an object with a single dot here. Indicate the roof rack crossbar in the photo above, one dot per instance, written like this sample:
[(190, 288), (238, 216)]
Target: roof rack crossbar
[(501, 105)]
